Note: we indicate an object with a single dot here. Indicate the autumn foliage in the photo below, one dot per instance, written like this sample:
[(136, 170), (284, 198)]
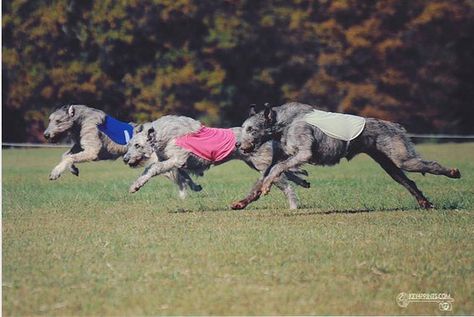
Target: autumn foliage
[(408, 61)]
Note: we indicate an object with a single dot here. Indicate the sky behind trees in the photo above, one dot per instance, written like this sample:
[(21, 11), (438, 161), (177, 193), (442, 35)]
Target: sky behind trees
[(406, 61)]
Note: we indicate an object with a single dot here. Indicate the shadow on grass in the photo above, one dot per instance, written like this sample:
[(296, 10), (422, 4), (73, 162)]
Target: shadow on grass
[(453, 207), (344, 211), (319, 211), (299, 212)]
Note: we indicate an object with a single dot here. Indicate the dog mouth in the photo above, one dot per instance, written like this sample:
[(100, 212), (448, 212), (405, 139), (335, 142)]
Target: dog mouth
[(247, 150), (135, 163), (56, 137)]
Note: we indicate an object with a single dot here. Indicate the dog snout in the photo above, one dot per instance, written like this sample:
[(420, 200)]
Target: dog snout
[(126, 158), (237, 144), (46, 135)]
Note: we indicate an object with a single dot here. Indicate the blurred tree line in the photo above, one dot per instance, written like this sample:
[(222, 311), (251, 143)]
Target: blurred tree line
[(409, 61)]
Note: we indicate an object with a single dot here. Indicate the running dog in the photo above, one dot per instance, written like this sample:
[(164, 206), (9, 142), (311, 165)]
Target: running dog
[(385, 142), (182, 142), (86, 128)]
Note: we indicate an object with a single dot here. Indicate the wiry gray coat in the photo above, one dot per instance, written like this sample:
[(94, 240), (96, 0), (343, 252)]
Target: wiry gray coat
[(80, 123), (159, 137), (386, 142)]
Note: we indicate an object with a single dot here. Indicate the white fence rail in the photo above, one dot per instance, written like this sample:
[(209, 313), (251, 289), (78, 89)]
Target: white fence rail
[(440, 136), (9, 144), (411, 135)]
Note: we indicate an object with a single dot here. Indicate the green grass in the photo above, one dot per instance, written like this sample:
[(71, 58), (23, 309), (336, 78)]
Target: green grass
[(85, 246)]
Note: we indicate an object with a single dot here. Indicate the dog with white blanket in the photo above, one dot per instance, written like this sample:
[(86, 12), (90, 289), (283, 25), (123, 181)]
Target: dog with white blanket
[(311, 136)]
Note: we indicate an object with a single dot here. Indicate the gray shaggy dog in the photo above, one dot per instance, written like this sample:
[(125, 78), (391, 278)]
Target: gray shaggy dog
[(385, 142), (159, 137), (80, 123)]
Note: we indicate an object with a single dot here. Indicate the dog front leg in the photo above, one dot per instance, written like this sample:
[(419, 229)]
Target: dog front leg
[(59, 169), (69, 160), (65, 163), (253, 195), (151, 171), (294, 161), (76, 148), (84, 156)]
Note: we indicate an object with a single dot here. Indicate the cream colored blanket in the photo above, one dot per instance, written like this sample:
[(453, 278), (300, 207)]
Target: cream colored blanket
[(336, 125)]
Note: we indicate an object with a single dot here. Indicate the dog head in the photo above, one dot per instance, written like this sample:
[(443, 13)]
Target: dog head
[(257, 129), (60, 123), (141, 147)]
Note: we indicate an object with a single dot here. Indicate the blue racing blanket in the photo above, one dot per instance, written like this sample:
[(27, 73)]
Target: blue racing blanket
[(118, 131)]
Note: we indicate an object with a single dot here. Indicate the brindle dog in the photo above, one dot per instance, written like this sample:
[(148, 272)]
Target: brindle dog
[(386, 142), (160, 136)]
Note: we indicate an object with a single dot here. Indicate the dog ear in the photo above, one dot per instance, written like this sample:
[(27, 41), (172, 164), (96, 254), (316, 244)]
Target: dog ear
[(252, 110), (71, 111), (151, 134), (269, 114)]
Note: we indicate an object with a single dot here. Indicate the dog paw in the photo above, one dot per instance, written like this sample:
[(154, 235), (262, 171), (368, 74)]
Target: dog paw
[(54, 175), (454, 173), (266, 189), (425, 204), (74, 170), (238, 205), (197, 188), (134, 188), (303, 172)]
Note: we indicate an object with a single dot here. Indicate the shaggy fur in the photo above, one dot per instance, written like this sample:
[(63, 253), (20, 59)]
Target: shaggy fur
[(159, 137), (386, 142), (89, 144)]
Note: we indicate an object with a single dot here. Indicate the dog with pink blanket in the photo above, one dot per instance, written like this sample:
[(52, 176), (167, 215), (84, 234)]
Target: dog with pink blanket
[(184, 142)]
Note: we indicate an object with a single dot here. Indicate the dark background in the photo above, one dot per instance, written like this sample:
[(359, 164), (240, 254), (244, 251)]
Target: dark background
[(406, 61)]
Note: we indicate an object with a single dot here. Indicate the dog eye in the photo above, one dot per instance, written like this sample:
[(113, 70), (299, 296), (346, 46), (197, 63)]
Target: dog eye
[(58, 121), (249, 129), (137, 146)]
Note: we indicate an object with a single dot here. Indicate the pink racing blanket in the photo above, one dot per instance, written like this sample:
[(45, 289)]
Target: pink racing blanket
[(212, 144)]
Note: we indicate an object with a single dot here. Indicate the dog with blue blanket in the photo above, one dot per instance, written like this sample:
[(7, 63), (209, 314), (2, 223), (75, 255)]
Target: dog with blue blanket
[(97, 136)]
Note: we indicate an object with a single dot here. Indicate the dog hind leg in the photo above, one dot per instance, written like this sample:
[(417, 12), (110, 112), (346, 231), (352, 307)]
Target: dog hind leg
[(402, 152), (292, 176), (187, 180), (289, 192), (182, 187), (432, 167), (184, 180), (174, 176), (400, 177)]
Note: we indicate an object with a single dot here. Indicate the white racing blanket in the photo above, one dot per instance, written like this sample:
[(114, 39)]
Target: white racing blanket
[(340, 126)]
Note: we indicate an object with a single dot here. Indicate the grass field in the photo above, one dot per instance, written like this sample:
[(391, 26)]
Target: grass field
[(85, 246)]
